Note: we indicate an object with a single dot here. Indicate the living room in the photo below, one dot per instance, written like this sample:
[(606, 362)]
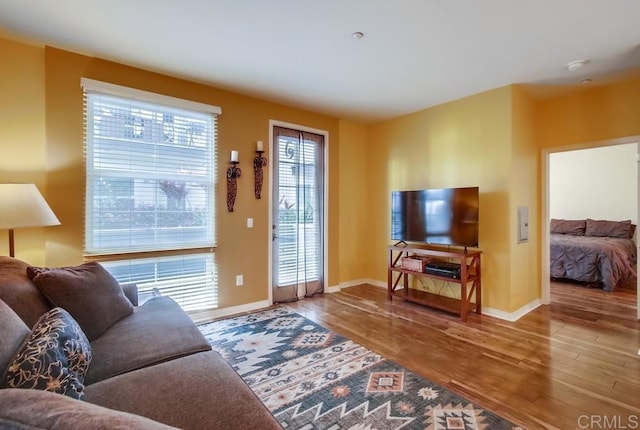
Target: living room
[(43, 91), (493, 139)]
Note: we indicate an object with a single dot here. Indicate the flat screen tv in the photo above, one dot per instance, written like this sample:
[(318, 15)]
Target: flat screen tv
[(443, 216)]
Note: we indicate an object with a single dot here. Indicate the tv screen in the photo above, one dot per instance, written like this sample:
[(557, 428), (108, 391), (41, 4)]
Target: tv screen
[(444, 216)]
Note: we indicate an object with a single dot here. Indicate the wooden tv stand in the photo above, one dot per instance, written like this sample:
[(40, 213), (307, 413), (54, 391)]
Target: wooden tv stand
[(469, 278)]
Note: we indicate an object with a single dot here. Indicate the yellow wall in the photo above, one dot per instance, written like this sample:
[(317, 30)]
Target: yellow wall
[(22, 135), (491, 140), (525, 185), (463, 143), (353, 201), (590, 115), (42, 118), (244, 120)]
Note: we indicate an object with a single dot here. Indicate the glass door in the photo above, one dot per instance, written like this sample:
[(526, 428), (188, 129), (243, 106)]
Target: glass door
[(298, 224)]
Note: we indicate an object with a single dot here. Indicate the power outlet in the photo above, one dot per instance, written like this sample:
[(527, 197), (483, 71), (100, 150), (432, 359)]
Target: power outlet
[(239, 280)]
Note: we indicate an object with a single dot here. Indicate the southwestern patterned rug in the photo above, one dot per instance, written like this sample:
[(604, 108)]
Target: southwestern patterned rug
[(311, 378)]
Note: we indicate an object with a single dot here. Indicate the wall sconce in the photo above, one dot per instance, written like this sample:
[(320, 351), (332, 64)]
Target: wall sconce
[(258, 163), (233, 173)]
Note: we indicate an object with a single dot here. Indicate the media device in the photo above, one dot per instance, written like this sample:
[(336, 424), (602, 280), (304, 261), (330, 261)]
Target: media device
[(443, 268), (443, 216)]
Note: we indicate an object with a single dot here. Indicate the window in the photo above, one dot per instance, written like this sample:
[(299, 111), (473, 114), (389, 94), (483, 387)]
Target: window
[(150, 172)]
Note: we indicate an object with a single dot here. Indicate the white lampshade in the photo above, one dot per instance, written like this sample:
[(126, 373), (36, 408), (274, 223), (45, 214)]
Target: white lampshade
[(22, 206)]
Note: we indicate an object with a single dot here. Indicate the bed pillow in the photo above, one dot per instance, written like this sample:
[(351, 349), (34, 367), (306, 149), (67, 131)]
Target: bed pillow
[(88, 292), (567, 226), (603, 228), (54, 357)]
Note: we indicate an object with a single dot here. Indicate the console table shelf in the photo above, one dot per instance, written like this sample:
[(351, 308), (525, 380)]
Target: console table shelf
[(469, 278)]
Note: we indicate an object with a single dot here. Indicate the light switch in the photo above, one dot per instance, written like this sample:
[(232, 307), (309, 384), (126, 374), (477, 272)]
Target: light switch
[(249, 222), (523, 224)]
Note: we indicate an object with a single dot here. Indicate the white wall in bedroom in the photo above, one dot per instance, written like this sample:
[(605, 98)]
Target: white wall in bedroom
[(596, 183)]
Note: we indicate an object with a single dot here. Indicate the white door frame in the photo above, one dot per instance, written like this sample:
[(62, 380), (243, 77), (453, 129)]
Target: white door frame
[(544, 231), (325, 215)]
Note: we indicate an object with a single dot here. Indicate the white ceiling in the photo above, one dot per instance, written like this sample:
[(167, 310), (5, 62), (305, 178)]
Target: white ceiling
[(415, 53)]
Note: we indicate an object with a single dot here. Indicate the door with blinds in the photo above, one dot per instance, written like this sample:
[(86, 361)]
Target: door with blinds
[(298, 214)]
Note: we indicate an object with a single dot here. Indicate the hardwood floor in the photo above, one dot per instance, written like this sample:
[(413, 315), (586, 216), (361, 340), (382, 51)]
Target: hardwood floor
[(571, 365)]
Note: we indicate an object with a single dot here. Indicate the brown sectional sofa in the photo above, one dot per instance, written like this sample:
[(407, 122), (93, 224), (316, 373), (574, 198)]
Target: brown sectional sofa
[(151, 369)]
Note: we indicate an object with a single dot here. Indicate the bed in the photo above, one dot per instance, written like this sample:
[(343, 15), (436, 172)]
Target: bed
[(593, 251)]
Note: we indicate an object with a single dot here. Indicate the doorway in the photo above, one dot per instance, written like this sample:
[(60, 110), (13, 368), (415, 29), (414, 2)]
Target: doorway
[(548, 212), (297, 212)]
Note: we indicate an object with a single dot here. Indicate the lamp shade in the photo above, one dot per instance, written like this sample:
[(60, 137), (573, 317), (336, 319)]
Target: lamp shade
[(22, 206)]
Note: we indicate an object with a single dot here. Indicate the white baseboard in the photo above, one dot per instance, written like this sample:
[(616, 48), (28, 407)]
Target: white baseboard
[(333, 289), (201, 316), (219, 313), (375, 283), (497, 313), (512, 316), (353, 283)]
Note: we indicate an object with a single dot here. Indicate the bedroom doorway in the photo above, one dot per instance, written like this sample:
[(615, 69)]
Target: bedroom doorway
[(298, 212), (623, 206)]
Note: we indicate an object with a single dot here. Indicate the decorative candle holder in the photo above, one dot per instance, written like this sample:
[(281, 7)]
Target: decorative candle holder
[(258, 163), (233, 173)]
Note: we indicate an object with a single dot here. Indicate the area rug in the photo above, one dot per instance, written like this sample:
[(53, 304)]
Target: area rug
[(312, 378)]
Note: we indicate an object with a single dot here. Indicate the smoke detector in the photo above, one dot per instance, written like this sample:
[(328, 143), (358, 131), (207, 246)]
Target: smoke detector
[(575, 65)]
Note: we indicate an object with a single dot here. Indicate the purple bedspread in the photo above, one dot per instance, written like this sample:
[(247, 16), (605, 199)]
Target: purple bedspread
[(593, 259)]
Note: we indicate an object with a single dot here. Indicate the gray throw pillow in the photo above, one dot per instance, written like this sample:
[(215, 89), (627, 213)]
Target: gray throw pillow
[(14, 332), (88, 292), (55, 357), (17, 291)]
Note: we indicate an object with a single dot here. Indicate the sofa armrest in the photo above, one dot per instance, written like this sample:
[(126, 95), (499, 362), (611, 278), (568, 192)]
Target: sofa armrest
[(131, 293)]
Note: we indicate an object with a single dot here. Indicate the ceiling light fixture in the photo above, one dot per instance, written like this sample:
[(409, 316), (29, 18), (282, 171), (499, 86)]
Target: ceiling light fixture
[(575, 65), (358, 35), (586, 81)]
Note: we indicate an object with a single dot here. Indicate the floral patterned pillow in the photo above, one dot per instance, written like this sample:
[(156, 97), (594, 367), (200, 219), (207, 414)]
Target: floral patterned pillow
[(54, 357)]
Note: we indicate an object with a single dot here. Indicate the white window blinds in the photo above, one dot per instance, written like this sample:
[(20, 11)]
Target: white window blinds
[(299, 221), (150, 171), (299, 248)]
